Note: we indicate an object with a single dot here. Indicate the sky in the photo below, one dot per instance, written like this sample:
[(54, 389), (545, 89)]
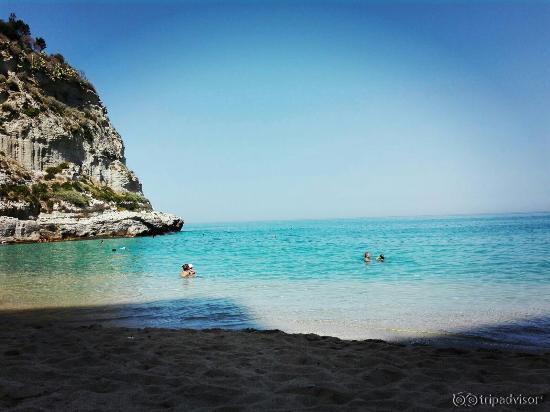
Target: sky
[(269, 110)]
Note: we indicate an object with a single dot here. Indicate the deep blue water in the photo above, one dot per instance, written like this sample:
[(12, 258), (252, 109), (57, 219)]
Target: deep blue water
[(483, 278)]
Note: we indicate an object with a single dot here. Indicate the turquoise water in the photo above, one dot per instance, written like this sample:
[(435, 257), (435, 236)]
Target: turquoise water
[(464, 277)]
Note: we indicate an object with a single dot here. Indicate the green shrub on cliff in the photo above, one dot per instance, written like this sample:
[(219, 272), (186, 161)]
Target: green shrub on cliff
[(71, 196), (54, 105), (31, 111), (19, 193), (58, 192), (77, 193), (40, 190), (14, 192), (53, 170), (46, 194), (123, 200)]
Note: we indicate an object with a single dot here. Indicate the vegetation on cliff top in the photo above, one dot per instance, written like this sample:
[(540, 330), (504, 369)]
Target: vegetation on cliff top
[(18, 30), (16, 42), (49, 79), (54, 85)]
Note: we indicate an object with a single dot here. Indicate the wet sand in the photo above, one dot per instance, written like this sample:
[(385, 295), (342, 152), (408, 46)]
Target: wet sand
[(49, 366)]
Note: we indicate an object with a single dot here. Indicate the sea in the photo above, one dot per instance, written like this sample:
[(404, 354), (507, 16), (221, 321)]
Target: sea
[(480, 280)]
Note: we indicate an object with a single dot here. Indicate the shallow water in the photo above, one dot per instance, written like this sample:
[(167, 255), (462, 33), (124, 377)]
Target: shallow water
[(483, 278)]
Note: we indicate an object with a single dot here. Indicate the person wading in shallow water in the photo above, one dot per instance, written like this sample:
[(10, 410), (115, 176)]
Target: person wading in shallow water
[(366, 257), (380, 258), (187, 271)]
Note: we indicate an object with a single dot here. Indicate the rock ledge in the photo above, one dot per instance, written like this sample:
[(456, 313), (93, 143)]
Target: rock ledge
[(71, 226)]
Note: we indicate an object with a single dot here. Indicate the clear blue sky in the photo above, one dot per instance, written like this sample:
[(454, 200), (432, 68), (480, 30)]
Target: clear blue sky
[(280, 110)]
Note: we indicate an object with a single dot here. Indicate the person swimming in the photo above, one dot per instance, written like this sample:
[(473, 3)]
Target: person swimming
[(187, 270), (366, 257), (380, 257)]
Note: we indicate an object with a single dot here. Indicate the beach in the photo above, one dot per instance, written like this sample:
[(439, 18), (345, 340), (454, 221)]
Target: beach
[(294, 320), (55, 366)]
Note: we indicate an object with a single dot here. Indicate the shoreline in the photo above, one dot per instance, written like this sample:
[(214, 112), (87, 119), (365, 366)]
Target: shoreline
[(519, 337), (47, 364)]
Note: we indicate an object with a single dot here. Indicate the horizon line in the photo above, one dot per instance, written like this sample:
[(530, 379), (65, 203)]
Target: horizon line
[(432, 215)]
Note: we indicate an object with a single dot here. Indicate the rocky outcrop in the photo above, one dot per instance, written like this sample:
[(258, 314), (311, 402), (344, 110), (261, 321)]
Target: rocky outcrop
[(70, 226), (63, 172)]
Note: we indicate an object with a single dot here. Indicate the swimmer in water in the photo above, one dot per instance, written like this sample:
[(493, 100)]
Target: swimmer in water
[(366, 257), (380, 258), (187, 271)]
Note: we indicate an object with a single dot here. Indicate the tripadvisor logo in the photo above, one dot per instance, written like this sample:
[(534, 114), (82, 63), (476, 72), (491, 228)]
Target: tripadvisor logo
[(468, 399)]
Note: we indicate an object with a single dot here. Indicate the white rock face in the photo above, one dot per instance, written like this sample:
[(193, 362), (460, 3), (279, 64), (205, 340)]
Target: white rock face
[(82, 135), (70, 226)]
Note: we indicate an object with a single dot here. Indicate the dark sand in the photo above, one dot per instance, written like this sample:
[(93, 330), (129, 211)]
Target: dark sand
[(49, 366)]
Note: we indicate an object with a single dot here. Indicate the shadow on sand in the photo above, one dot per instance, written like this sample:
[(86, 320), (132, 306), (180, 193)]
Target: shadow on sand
[(64, 359), (532, 335), (177, 314)]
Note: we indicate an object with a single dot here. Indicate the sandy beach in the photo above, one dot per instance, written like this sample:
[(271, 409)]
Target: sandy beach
[(54, 366)]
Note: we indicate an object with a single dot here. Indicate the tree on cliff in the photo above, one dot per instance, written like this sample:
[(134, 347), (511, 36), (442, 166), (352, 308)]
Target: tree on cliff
[(16, 29), (39, 44)]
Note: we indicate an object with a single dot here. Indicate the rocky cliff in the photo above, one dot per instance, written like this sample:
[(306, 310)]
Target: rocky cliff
[(63, 173)]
